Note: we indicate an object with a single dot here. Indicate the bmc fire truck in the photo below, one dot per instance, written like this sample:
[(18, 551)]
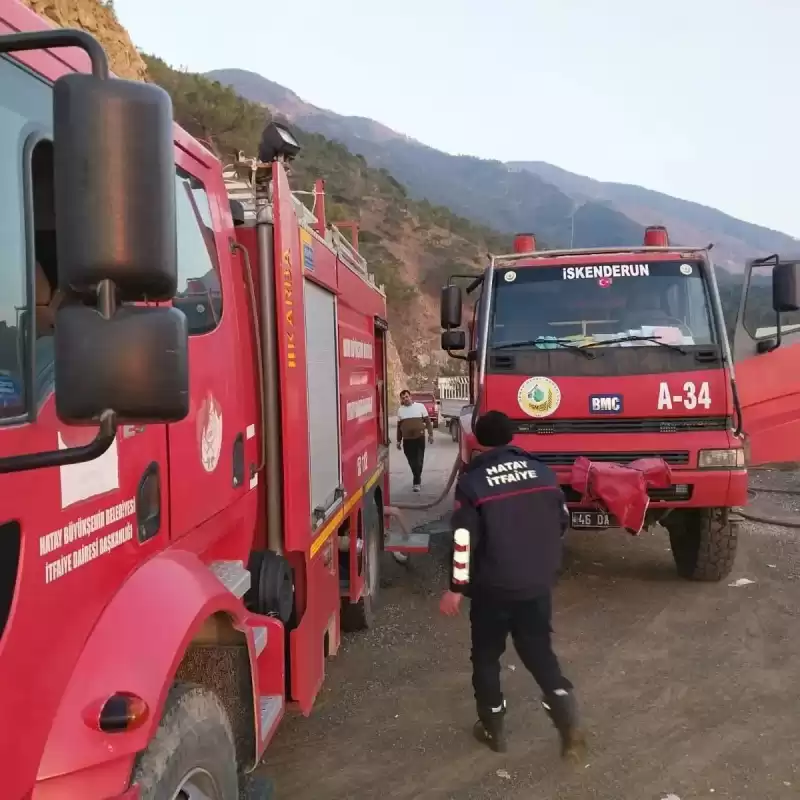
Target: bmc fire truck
[(622, 354), (193, 437)]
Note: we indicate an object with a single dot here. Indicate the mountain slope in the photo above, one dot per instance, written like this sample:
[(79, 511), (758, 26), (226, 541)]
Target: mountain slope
[(684, 218), (411, 246), (490, 192), (562, 207)]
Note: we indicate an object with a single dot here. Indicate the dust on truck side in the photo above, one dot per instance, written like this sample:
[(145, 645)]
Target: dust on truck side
[(621, 354), (193, 468)]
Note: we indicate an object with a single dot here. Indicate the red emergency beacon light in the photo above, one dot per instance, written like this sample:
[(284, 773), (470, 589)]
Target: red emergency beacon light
[(656, 236), (524, 243)]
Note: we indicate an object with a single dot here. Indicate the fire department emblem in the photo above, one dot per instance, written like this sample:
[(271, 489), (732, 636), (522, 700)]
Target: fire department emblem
[(539, 397), (209, 423)]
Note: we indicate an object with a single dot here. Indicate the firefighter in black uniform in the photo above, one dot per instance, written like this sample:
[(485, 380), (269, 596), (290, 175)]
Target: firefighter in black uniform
[(509, 521)]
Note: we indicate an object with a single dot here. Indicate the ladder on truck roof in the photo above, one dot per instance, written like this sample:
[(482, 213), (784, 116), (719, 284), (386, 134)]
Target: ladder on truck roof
[(247, 181)]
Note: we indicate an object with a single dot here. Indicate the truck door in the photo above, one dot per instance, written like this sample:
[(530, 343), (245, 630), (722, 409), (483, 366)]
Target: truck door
[(207, 448), (381, 387), (69, 535), (768, 382)]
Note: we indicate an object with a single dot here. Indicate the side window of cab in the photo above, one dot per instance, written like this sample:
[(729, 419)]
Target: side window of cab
[(759, 316), (199, 287), (28, 277)]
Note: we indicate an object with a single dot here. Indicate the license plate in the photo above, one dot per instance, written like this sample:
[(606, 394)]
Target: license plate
[(591, 519)]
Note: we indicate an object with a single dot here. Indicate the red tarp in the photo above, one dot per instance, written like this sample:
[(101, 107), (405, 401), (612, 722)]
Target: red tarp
[(621, 490)]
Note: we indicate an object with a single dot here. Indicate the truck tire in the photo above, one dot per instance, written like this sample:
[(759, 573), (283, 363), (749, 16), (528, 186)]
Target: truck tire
[(453, 429), (704, 543), (192, 753), (360, 616)]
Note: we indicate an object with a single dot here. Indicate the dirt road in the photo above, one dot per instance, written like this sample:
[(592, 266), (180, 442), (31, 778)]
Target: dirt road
[(691, 691)]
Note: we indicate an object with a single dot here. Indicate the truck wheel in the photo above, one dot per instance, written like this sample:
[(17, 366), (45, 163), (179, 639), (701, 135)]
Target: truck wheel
[(360, 616), (454, 430), (704, 543), (192, 754)]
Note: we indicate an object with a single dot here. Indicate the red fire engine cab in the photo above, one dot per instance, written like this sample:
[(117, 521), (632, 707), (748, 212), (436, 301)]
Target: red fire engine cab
[(622, 354), (193, 437)]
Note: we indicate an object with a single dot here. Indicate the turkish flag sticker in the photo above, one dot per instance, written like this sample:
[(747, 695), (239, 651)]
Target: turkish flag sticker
[(604, 283)]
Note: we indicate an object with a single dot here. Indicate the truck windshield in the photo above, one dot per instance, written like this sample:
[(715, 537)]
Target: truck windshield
[(602, 305)]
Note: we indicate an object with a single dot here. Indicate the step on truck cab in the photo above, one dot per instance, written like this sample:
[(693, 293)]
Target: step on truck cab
[(193, 437), (622, 354)]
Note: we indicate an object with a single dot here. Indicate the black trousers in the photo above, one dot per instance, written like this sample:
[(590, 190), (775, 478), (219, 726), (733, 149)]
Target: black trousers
[(415, 454), (529, 623)]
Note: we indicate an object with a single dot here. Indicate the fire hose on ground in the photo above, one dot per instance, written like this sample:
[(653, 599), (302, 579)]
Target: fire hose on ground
[(768, 519), (396, 509)]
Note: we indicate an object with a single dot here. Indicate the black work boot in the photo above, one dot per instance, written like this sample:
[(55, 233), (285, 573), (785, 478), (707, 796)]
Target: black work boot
[(562, 709), (488, 729)]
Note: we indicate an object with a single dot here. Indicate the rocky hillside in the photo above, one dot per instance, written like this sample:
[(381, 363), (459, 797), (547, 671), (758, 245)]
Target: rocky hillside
[(411, 246), (97, 18), (560, 206)]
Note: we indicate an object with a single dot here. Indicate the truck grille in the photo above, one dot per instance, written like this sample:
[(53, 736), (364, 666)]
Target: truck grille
[(656, 495), (623, 425), (674, 458)]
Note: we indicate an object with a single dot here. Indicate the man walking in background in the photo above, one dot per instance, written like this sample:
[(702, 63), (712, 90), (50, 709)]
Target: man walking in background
[(412, 421), (509, 521)]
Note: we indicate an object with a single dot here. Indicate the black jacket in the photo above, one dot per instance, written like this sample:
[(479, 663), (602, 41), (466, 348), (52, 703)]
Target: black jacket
[(508, 524)]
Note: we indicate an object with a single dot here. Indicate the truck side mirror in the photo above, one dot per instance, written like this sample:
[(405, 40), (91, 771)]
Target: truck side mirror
[(116, 241), (454, 340), (451, 302), (786, 286), (134, 364), (114, 187), (116, 237)]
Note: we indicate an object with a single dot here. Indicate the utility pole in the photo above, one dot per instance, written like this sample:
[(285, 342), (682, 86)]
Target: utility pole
[(572, 220)]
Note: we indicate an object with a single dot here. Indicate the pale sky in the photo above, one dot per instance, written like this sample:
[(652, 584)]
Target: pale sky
[(694, 98)]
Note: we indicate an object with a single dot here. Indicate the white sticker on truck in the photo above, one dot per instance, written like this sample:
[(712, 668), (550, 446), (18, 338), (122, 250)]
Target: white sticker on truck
[(689, 399), (90, 479)]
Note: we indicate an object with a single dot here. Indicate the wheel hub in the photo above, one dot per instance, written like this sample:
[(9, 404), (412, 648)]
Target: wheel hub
[(198, 785)]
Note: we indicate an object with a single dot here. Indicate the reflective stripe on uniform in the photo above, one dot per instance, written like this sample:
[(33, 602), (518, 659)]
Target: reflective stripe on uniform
[(461, 556)]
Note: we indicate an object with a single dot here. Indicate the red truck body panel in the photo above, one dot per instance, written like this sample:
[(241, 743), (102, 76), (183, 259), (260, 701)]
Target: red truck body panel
[(95, 606), (639, 425)]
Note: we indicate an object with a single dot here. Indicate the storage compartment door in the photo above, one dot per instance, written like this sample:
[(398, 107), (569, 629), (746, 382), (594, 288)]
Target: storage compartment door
[(323, 397)]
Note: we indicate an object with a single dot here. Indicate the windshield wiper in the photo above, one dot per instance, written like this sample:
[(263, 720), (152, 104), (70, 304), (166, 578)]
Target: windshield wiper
[(566, 344), (638, 339)]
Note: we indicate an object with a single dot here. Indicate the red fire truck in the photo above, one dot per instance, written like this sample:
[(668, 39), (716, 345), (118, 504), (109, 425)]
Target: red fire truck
[(622, 354), (193, 468)]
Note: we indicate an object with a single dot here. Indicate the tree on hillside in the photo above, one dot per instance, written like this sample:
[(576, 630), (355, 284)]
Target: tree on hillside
[(211, 112)]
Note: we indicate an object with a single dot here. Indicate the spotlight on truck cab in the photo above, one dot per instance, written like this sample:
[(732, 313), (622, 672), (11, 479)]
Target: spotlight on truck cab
[(656, 236), (278, 143), (524, 243)]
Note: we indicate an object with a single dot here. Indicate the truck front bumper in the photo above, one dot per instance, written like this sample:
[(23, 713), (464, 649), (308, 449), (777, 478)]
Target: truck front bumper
[(700, 488)]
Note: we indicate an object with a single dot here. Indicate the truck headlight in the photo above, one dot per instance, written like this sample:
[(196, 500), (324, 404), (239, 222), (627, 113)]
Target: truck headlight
[(721, 459)]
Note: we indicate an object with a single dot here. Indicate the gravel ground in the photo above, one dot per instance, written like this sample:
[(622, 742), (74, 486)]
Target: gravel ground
[(689, 690)]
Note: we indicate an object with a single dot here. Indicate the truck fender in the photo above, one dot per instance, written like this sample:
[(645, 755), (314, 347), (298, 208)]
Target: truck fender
[(134, 647)]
